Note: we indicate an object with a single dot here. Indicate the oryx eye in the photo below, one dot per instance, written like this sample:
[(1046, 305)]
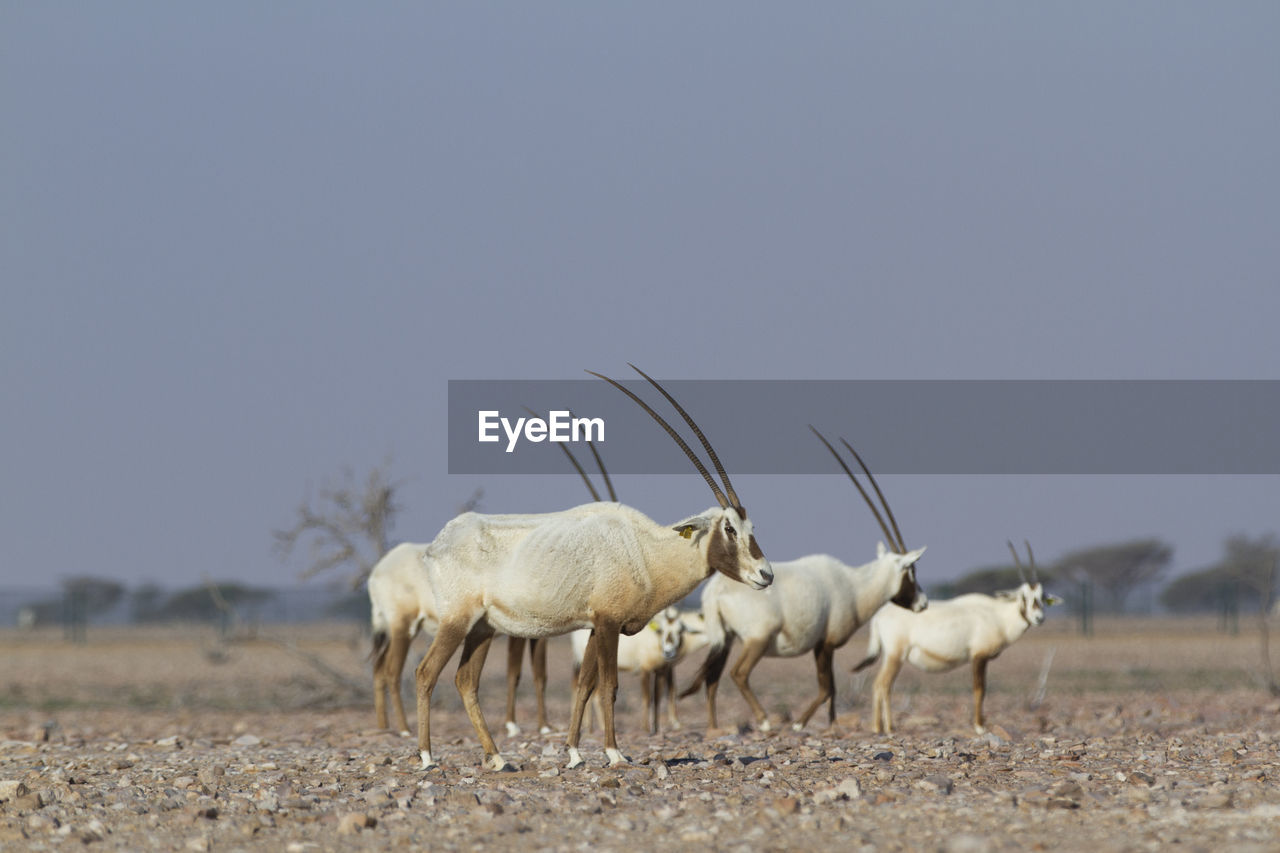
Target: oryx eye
[(728, 528)]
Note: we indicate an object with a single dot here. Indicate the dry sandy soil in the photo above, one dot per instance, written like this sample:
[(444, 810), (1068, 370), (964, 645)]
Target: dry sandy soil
[(1151, 735)]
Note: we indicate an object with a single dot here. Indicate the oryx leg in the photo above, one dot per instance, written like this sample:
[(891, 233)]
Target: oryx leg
[(538, 659), (474, 650), (588, 673), (443, 645), (881, 693), (714, 669), (649, 687), (515, 655), (386, 679), (752, 651), (607, 662), (824, 659), (979, 692), (668, 676)]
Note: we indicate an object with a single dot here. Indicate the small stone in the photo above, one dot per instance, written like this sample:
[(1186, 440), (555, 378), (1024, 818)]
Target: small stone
[(247, 740), (786, 805), (11, 789), (939, 783), (199, 843), (350, 824)]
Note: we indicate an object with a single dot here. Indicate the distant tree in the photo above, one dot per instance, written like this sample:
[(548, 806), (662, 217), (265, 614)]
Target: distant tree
[(145, 602), (201, 604), (347, 525), (83, 597), (1117, 569), (1196, 592)]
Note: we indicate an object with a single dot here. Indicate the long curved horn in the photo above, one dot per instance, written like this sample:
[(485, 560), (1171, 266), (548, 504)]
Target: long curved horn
[(1035, 576), (697, 463), (613, 496), (706, 445), (1014, 551), (902, 543), (871, 505), (595, 496)]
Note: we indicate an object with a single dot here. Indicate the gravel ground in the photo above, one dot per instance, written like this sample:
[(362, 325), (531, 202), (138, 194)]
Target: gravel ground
[(143, 741)]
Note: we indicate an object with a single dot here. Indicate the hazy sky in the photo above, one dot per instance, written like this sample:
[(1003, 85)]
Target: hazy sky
[(245, 244)]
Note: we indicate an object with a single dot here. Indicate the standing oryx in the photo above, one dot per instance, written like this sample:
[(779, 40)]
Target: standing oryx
[(815, 604), (403, 604), (602, 566), (972, 627)]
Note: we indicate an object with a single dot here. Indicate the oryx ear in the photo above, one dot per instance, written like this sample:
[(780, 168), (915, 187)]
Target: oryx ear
[(880, 550), (1050, 600), (911, 556), (691, 526)]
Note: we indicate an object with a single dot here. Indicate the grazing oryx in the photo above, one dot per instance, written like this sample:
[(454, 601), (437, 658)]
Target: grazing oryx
[(403, 605), (653, 653), (815, 604), (602, 566), (972, 627)]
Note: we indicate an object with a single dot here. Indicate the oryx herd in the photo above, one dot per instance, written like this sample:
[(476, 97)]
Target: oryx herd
[(612, 576)]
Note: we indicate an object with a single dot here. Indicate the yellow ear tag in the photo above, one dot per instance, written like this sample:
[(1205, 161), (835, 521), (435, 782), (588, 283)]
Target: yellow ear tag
[(653, 626), (686, 532)]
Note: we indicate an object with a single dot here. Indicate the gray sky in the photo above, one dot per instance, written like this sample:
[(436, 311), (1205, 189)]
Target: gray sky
[(244, 245)]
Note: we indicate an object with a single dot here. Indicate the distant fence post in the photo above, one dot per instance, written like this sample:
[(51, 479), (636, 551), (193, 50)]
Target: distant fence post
[(1229, 608), (1086, 608), (73, 614)]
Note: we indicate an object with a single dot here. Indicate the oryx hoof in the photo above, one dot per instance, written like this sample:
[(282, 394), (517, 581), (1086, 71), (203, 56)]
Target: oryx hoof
[(545, 730), (797, 727), (405, 733), (498, 764), (512, 729), (575, 759), (428, 763), (616, 757), (766, 726)]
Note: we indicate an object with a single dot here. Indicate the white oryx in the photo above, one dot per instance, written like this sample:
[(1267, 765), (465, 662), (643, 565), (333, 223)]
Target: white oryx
[(403, 604), (815, 604), (972, 627), (602, 566), (652, 653)]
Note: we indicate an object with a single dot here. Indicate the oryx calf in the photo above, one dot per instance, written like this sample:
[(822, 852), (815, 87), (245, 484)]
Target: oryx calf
[(969, 628)]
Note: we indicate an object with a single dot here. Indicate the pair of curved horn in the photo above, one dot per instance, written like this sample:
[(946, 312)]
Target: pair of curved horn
[(1031, 559), (725, 500), (613, 496), (896, 542)]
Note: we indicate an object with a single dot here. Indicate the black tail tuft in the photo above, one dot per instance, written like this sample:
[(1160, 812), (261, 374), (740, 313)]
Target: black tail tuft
[(865, 662), (709, 672), (381, 642)]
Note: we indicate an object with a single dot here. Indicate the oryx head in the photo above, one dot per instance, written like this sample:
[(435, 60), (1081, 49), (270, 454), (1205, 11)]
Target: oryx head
[(725, 534), (909, 593), (1031, 597), (670, 630)]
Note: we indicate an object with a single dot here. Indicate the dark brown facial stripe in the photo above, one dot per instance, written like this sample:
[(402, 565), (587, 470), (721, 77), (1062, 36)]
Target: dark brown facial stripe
[(753, 549)]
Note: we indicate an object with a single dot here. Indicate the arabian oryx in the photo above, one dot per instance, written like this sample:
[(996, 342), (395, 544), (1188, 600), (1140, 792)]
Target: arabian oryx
[(815, 604), (403, 604), (972, 627), (603, 566)]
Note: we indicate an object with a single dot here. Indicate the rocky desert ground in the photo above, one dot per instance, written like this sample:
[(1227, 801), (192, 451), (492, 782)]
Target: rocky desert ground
[(1150, 735)]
